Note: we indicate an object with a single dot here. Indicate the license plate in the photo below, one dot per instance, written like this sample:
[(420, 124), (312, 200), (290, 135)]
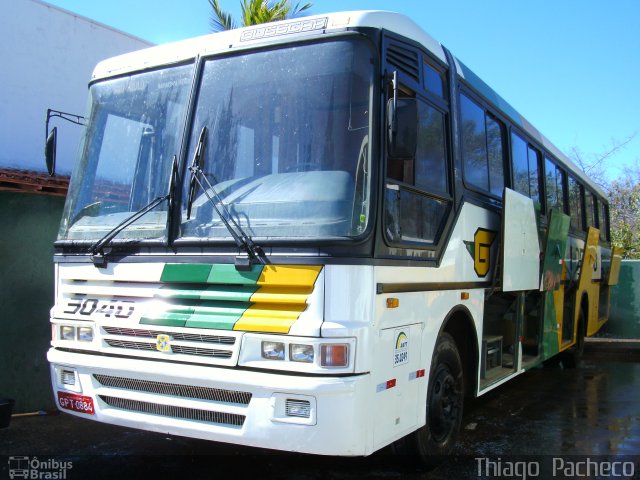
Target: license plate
[(77, 403)]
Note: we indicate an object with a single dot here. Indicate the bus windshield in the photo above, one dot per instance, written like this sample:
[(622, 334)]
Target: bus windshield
[(134, 130), (287, 143), (287, 149)]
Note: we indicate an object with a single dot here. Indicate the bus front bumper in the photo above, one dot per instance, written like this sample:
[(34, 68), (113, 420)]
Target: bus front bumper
[(290, 412)]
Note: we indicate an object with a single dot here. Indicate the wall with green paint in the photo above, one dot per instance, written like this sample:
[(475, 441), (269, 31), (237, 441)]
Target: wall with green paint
[(29, 227), (624, 318)]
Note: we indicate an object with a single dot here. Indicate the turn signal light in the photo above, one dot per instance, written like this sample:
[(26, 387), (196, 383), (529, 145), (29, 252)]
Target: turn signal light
[(393, 302), (334, 355)]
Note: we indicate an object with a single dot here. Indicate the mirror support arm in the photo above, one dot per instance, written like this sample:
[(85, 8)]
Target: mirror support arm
[(69, 117)]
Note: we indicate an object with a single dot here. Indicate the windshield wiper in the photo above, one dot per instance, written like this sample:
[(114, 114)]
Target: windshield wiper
[(98, 256), (242, 240)]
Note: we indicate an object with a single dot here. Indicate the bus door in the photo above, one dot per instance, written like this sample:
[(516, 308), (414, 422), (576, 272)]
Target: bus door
[(570, 277), (579, 284), (506, 308), (552, 286)]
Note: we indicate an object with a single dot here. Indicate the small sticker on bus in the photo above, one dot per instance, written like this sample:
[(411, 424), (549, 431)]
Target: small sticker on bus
[(401, 349)]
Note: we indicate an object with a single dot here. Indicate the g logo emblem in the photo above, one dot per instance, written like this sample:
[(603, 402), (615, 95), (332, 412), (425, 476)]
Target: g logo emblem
[(480, 250), (482, 241), (162, 343)]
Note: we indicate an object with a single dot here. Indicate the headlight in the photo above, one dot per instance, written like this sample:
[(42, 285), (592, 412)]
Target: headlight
[(85, 334), (68, 377), (67, 333), (301, 353), (273, 350), (297, 354)]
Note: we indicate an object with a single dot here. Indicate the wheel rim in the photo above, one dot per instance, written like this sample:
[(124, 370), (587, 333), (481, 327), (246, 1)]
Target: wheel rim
[(444, 407)]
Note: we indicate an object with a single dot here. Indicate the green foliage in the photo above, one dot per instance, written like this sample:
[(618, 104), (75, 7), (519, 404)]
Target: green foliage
[(220, 20), (624, 207), (254, 12), (623, 194)]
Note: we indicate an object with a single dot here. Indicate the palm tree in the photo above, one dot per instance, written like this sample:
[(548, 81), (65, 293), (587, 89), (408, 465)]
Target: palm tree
[(254, 12)]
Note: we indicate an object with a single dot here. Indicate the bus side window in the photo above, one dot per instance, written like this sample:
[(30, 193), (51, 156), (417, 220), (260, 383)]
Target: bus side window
[(520, 165), (526, 168), (602, 221), (482, 148), (433, 80), (431, 165), (534, 174), (417, 201), (575, 204), (495, 138), (554, 183), (589, 209)]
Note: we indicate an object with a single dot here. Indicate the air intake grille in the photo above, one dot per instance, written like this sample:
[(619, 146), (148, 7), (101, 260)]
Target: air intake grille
[(222, 418), (404, 59), (184, 391)]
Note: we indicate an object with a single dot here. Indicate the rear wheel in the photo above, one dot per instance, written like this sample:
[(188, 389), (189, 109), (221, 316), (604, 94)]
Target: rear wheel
[(445, 398)]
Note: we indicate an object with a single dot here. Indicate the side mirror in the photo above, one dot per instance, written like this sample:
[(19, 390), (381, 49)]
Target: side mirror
[(50, 151), (402, 127), (52, 137)]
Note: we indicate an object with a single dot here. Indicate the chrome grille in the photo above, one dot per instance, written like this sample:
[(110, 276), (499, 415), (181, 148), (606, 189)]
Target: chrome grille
[(205, 352), (180, 343), (130, 345), (184, 391), (223, 418), (192, 337)]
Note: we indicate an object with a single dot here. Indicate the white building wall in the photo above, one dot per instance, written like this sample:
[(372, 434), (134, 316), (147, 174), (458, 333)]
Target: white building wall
[(47, 56)]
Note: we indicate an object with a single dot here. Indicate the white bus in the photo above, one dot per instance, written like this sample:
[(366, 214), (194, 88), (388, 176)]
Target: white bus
[(316, 235)]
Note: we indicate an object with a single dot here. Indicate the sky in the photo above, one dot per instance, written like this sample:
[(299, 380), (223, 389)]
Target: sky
[(570, 67)]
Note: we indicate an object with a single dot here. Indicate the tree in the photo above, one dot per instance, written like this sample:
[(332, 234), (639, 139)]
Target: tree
[(595, 167), (254, 12), (624, 208), (623, 194)]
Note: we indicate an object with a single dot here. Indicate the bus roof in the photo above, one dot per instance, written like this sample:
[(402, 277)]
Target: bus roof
[(259, 34), (230, 40)]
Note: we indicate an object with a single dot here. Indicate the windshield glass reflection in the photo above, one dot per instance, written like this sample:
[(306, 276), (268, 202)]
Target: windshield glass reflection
[(134, 130), (287, 145)]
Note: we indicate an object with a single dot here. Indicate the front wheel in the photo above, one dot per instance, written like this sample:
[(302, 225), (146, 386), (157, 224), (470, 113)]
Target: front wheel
[(445, 398)]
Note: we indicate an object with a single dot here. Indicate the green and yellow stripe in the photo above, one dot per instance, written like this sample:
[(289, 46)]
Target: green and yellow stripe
[(267, 298)]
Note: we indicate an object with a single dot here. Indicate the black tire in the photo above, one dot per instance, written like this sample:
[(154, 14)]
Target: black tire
[(571, 357), (553, 362), (445, 399)]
